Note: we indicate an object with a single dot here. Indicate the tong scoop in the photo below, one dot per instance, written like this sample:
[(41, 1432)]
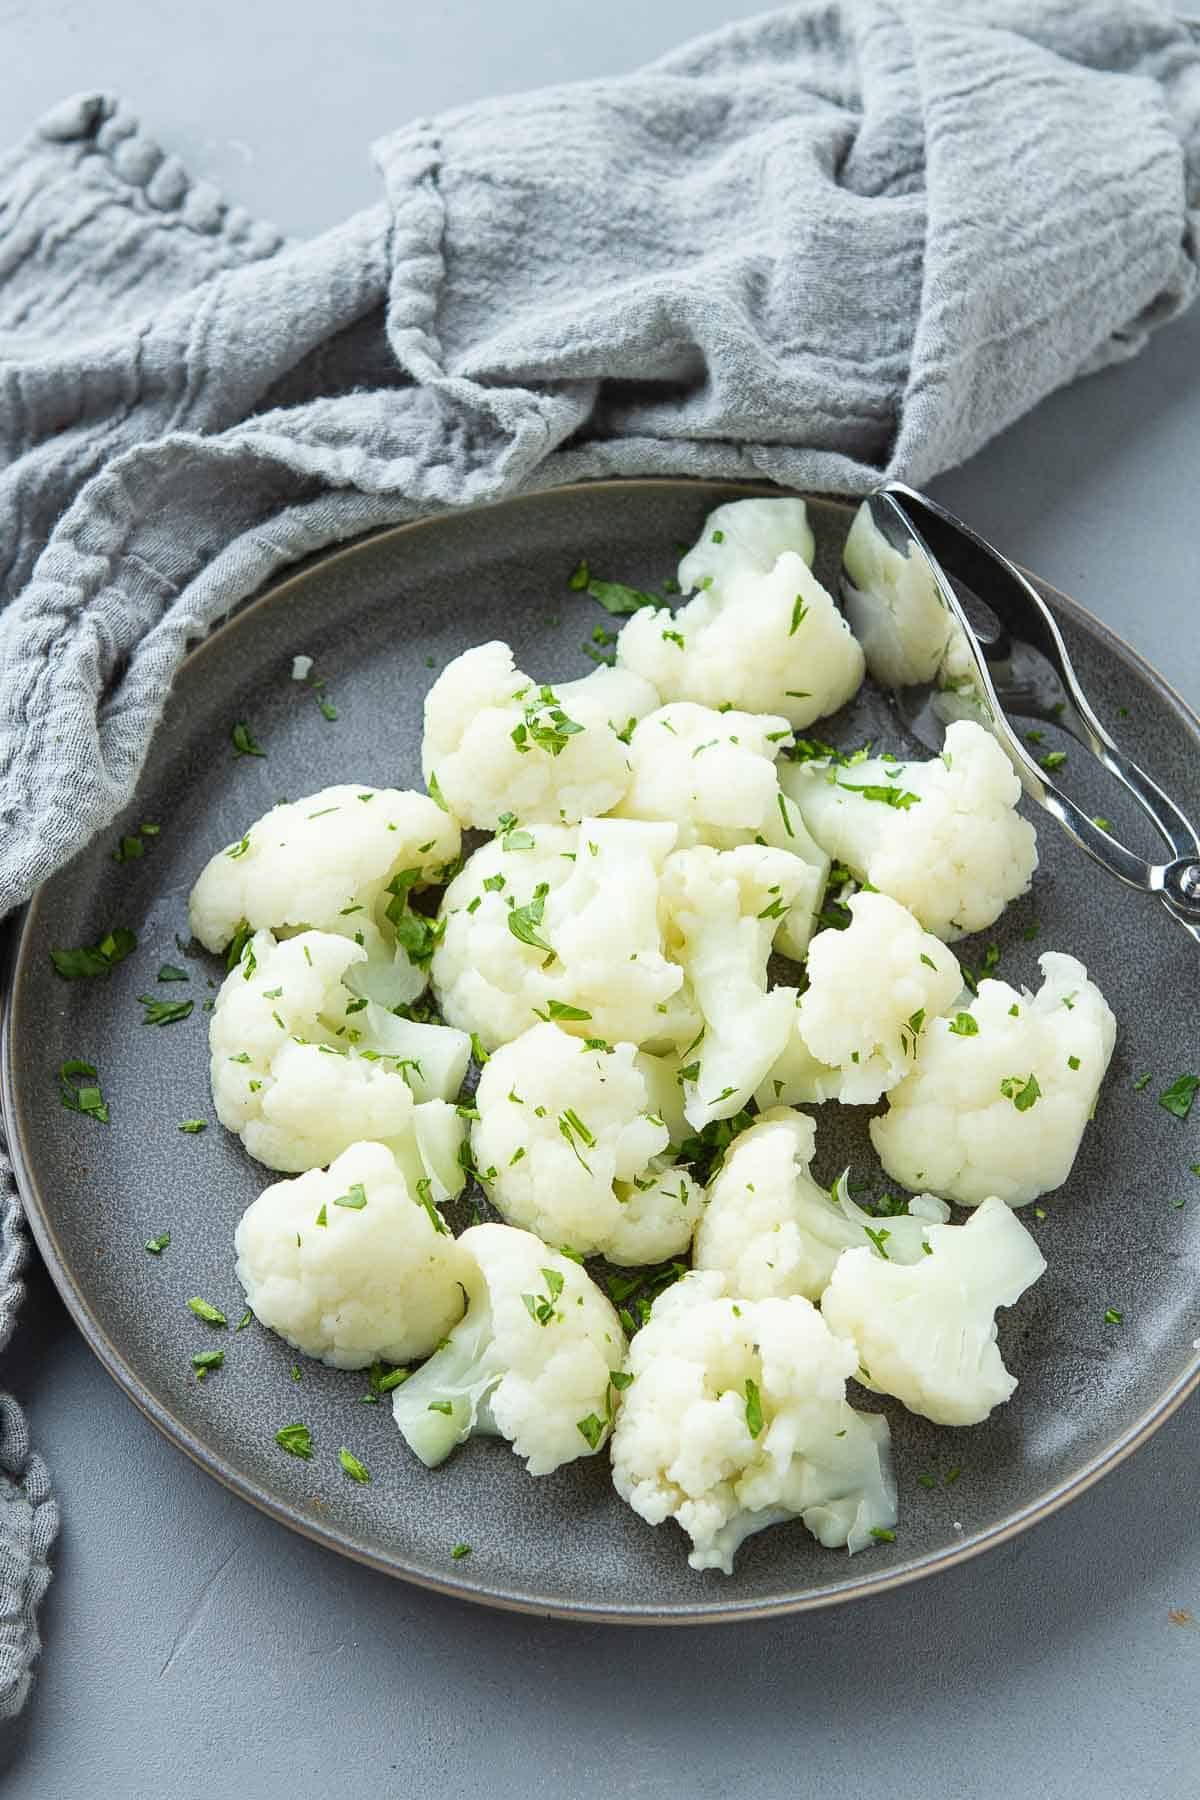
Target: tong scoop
[(993, 653)]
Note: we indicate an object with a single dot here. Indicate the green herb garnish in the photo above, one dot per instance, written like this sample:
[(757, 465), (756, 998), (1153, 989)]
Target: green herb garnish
[(296, 1440), (95, 959)]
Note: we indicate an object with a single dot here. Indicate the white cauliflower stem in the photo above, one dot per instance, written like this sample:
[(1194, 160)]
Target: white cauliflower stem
[(925, 1331), (771, 1231), (579, 1149), (344, 860), (498, 742), (737, 1419), (563, 917), (1002, 1092), (942, 837), (723, 909), (349, 1264), (532, 1361), (872, 988), (765, 643), (302, 1068)]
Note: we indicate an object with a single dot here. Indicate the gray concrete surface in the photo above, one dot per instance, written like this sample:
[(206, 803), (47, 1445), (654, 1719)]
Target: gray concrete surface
[(192, 1646)]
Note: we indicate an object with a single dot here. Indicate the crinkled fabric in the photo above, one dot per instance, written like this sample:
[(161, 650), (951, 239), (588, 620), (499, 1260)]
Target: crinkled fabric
[(836, 243)]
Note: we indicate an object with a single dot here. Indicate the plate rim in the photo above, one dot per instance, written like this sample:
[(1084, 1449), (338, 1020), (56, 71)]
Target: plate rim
[(17, 945)]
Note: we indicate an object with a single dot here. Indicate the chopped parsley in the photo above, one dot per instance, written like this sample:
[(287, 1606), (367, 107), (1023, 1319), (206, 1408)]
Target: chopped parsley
[(1177, 1099), (541, 1307), (440, 1406), (1072, 1062), (459, 1551), (591, 1430), (545, 724), (616, 598), (204, 1360), (95, 959), (1022, 1091), (523, 921), (879, 1239), (193, 1127), (355, 1199), (902, 800), (964, 1024), (171, 972), (555, 1009), (80, 1092), (244, 741), (1114, 1316), (1143, 1081), (579, 577), (1054, 759), (157, 1245), (435, 792), (754, 1412), (882, 1534), (296, 1440), (351, 1465), (212, 1315)]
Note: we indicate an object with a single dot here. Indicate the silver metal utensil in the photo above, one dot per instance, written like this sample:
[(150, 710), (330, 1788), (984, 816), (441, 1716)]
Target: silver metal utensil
[(1001, 654)]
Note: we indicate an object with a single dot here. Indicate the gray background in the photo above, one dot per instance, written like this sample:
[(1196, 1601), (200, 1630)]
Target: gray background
[(192, 1645)]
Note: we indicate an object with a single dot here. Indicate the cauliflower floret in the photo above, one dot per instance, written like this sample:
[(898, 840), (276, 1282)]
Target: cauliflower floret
[(737, 1418), (925, 1331), (722, 909), (771, 1230), (893, 605), (343, 860), (532, 1362), (942, 837), (746, 537), (714, 775), (1000, 1098), (580, 1149), (301, 1068), (871, 989), (567, 916), (498, 742), (349, 1264), (770, 643)]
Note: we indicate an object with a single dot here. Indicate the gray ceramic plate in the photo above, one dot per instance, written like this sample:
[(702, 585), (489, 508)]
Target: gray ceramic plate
[(379, 617)]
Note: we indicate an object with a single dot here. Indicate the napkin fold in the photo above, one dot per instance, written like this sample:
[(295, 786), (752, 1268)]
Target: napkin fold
[(833, 244)]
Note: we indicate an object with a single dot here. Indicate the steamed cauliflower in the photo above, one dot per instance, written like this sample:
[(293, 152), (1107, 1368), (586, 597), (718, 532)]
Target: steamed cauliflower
[(554, 916), (925, 1330), (344, 860), (942, 837), (871, 989), (723, 909), (1000, 1098), (771, 1231), (533, 1361), (746, 537), (714, 775), (736, 1418), (771, 643), (302, 1068), (580, 1148), (350, 1264), (893, 605), (497, 742)]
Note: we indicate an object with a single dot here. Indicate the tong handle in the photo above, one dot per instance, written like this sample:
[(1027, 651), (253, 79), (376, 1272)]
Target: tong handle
[(953, 549)]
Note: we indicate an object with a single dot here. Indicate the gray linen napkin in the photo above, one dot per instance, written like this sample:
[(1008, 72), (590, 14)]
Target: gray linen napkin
[(832, 243)]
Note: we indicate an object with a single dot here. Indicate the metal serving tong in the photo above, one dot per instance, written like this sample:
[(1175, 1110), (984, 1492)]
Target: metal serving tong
[(1004, 655)]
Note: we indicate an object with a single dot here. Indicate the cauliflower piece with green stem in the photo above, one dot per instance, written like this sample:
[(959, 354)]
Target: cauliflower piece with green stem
[(942, 837), (580, 1149), (925, 1331), (533, 1361), (302, 1068), (344, 860), (772, 1231), (722, 909), (1003, 1090), (352, 1264), (736, 1419)]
